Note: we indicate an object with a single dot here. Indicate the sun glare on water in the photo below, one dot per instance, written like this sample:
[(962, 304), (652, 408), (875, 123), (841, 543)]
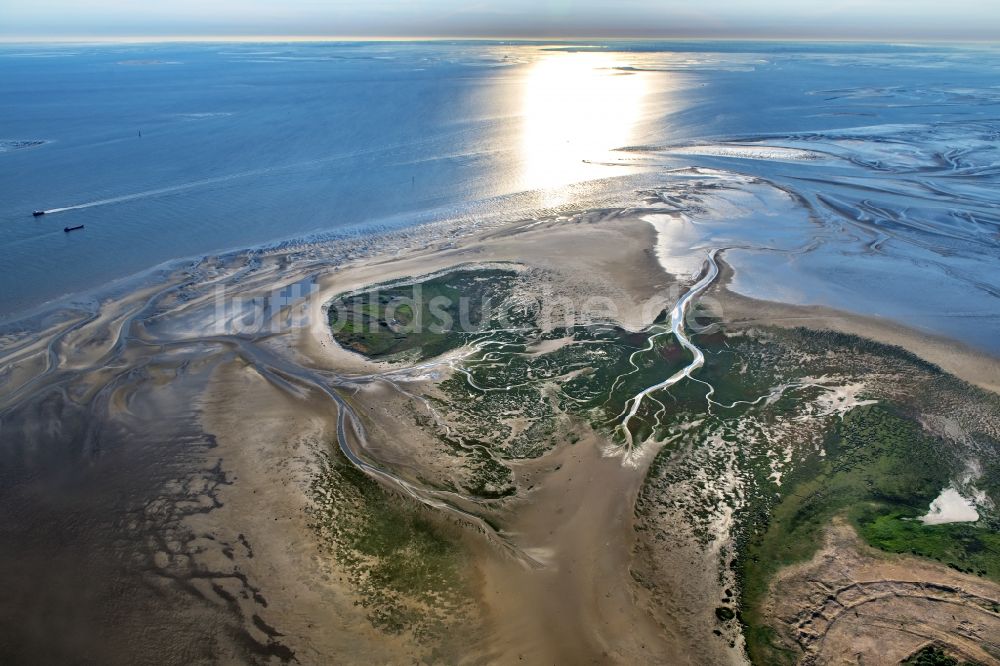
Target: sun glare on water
[(578, 108)]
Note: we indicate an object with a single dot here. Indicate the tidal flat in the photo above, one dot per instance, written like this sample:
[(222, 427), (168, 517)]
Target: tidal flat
[(650, 397), (781, 433), (509, 489)]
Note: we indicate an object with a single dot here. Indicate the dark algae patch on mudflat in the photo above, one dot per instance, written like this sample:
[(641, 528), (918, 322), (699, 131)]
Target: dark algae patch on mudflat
[(423, 319), (932, 655)]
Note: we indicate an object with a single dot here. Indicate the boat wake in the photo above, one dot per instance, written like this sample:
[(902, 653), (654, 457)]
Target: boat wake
[(155, 193)]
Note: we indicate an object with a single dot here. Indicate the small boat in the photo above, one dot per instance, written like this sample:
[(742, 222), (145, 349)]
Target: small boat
[(38, 213), (69, 229)]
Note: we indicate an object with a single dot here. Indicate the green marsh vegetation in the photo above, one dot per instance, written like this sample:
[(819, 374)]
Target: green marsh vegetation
[(785, 462), (775, 450), (969, 548), (874, 462), (877, 464), (423, 319), (505, 400), (406, 566)]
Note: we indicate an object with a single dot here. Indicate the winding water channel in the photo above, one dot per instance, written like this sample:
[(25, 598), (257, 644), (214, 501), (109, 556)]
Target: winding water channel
[(677, 317)]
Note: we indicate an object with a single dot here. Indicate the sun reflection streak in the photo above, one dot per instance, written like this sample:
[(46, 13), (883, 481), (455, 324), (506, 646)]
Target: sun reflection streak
[(578, 108)]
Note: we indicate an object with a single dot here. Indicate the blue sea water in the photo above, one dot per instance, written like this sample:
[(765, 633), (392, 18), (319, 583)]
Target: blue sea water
[(176, 150)]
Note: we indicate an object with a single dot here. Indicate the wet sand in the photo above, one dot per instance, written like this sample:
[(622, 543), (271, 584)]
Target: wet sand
[(581, 604), (270, 459), (190, 434), (952, 356), (850, 599)]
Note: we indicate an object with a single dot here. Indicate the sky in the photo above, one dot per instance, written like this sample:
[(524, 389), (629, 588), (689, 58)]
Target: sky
[(807, 19)]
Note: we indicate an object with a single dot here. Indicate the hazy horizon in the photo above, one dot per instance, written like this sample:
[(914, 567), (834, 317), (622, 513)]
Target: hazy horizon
[(294, 38), (112, 20)]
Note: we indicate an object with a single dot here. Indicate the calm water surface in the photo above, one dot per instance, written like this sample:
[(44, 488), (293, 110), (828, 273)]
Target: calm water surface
[(170, 151)]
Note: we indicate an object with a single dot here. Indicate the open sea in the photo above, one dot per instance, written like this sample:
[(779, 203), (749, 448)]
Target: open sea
[(860, 176)]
